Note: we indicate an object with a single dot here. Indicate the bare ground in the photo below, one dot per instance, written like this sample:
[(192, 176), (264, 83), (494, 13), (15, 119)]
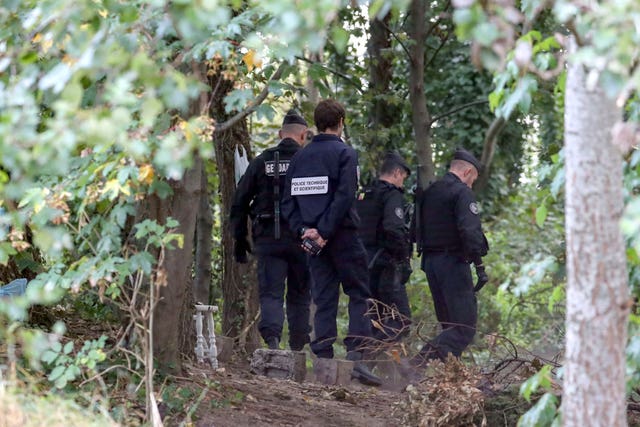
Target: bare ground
[(239, 398)]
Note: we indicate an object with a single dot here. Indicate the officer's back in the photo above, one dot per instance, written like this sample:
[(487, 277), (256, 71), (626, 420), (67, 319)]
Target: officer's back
[(450, 218), (381, 207), (327, 159)]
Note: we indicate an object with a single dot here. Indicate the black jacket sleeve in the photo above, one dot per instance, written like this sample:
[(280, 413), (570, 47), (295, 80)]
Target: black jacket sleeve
[(242, 198), (474, 242), (396, 239)]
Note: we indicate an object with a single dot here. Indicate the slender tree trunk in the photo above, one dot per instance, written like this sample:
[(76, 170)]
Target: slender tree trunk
[(420, 113), (597, 289), (313, 96), (170, 329), (204, 225), (168, 326), (488, 150), (239, 287), (239, 282), (381, 115)]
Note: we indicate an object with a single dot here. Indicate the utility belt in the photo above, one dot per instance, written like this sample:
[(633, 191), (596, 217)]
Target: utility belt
[(263, 225), (263, 216), (453, 250), (262, 221)]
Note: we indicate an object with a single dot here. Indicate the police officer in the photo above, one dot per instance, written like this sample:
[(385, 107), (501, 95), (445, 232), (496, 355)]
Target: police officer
[(451, 239), (385, 235), (278, 250), (319, 204)]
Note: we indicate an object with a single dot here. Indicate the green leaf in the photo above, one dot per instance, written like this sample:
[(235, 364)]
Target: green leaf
[(237, 100), (57, 372), (542, 413), (556, 296), (48, 356), (541, 379), (486, 33), (340, 38), (68, 347), (150, 110), (61, 382), (6, 250), (72, 93), (541, 215), (265, 111)]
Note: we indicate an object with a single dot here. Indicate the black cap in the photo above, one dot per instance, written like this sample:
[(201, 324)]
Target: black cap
[(393, 156), (293, 118), (462, 154)]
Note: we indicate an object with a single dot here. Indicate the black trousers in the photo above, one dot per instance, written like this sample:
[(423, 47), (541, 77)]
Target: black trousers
[(455, 303), (280, 262), (342, 260), (388, 286)]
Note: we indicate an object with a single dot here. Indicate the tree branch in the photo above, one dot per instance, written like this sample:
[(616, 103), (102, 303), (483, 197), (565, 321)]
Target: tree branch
[(488, 149), (437, 21), (455, 110), (224, 126), (435, 54), (395, 36), (332, 71)]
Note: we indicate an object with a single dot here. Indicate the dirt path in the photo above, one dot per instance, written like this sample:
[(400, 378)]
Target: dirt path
[(239, 399)]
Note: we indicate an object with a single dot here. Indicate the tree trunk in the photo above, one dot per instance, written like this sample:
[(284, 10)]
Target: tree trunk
[(239, 287), (204, 226), (168, 327), (239, 281), (313, 96), (381, 115), (597, 290), (420, 114), (488, 150), (171, 331)]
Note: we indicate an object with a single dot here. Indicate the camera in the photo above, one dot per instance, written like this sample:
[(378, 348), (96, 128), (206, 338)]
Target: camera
[(311, 246)]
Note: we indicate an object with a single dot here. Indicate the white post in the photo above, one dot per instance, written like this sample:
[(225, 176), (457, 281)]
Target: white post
[(213, 349), (199, 338), (203, 346)]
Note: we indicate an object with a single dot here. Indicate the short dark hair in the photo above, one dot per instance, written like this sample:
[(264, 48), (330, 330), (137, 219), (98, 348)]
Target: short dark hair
[(389, 166), (392, 161), (327, 114)]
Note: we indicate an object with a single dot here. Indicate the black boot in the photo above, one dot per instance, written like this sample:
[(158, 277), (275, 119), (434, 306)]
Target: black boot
[(273, 343), (360, 370), (298, 341)]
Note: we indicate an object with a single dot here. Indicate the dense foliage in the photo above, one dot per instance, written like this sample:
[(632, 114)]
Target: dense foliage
[(99, 111)]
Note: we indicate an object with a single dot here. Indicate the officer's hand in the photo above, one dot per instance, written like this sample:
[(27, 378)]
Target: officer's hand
[(240, 250), (482, 278), (312, 233)]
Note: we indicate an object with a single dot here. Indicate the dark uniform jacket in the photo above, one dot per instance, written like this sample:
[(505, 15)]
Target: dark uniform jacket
[(381, 211), (254, 194), (450, 220), (321, 186)]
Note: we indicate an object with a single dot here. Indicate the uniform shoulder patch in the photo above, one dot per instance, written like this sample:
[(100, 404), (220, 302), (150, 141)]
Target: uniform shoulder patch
[(474, 208), (399, 213)]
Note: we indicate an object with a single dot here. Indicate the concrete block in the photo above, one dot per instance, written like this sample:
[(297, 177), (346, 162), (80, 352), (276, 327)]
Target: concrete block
[(281, 364), (332, 371)]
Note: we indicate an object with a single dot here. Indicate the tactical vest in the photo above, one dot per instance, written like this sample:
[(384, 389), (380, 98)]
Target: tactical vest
[(370, 209), (262, 208), (439, 228)]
